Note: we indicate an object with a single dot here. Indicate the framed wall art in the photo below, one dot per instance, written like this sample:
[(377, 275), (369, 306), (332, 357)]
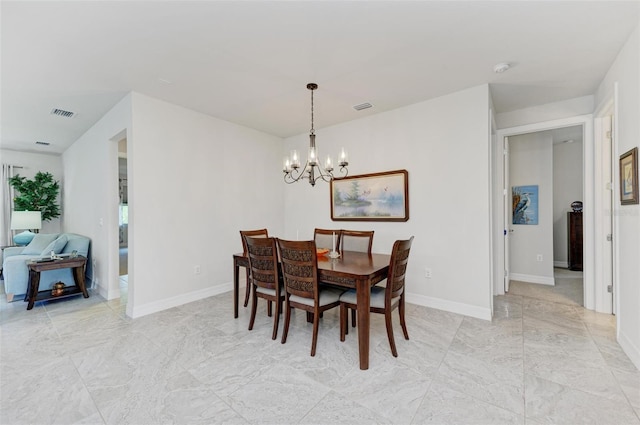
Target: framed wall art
[(525, 204), (371, 197), (629, 177)]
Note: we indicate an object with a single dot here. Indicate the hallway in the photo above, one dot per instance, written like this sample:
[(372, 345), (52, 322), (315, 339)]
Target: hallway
[(568, 289)]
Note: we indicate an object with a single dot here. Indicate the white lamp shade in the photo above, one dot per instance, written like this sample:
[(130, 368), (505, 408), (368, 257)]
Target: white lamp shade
[(26, 220)]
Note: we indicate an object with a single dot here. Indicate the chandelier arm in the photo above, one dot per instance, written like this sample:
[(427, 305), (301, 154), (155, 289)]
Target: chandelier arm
[(296, 174), (325, 175)]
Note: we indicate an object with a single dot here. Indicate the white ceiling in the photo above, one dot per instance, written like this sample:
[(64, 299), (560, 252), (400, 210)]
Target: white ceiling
[(249, 62)]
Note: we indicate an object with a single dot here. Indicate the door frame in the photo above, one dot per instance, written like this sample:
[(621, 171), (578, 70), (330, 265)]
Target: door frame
[(606, 302), (112, 214), (586, 121), (505, 211)]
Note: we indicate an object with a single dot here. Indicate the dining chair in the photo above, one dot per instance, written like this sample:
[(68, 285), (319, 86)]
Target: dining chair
[(259, 233), (266, 277), (360, 241), (324, 238), (302, 290), (384, 299), (356, 240)]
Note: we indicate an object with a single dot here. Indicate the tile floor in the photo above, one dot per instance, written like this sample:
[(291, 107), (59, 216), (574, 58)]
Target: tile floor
[(81, 361)]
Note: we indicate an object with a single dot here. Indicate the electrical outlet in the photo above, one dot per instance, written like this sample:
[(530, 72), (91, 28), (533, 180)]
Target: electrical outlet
[(539, 257), (427, 273), (196, 270)]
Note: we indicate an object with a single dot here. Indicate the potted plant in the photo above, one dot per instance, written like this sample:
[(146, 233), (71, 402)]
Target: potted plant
[(39, 194)]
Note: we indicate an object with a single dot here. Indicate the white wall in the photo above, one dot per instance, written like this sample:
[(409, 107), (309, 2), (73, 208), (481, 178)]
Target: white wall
[(567, 187), (194, 182), (550, 111), (444, 145), (87, 193), (626, 72), (531, 163)]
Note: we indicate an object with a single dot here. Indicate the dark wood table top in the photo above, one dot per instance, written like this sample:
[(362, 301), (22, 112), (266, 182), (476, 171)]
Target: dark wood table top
[(61, 263), (351, 262)]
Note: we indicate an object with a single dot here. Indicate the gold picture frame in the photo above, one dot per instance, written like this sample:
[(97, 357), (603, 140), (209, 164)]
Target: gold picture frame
[(629, 177), (371, 197)]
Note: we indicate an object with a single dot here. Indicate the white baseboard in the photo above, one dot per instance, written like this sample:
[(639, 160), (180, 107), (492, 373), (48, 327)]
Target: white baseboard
[(630, 349), (530, 278), (450, 306), (181, 299), (561, 264), (437, 303), (90, 285)]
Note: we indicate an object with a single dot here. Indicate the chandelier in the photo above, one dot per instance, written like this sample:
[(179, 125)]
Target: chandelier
[(312, 170)]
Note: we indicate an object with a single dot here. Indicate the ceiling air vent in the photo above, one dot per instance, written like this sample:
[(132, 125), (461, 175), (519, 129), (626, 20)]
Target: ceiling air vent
[(62, 113), (362, 106), (40, 142)]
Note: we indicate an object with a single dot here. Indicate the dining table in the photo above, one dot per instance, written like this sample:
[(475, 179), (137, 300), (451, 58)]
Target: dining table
[(351, 270)]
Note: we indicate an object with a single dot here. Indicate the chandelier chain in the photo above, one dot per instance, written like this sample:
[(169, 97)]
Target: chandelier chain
[(312, 129)]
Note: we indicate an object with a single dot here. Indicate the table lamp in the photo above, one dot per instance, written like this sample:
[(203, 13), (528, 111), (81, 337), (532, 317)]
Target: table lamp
[(29, 220)]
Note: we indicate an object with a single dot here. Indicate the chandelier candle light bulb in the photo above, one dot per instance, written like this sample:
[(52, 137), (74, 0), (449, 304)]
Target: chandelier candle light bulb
[(312, 156), (344, 158), (295, 160), (328, 164)]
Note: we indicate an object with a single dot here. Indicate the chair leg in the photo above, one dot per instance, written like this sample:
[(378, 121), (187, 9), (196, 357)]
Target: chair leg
[(343, 321), (346, 319), (287, 319), (392, 342), (254, 307), (402, 322), (269, 312), (314, 341), (276, 319), (248, 290)]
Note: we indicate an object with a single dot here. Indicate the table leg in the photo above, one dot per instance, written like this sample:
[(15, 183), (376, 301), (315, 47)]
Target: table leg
[(236, 287), (363, 294), (78, 277), (32, 290)]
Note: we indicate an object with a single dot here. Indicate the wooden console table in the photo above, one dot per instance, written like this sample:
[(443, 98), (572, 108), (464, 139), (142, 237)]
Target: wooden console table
[(77, 266)]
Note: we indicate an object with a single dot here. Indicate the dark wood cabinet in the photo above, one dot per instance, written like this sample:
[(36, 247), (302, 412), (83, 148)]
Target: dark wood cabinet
[(575, 240)]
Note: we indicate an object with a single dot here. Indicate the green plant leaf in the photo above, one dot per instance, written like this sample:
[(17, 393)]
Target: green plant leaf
[(39, 194)]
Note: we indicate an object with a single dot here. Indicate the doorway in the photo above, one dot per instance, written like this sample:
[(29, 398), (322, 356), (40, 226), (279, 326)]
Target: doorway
[(501, 238), (544, 186), (123, 220)]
